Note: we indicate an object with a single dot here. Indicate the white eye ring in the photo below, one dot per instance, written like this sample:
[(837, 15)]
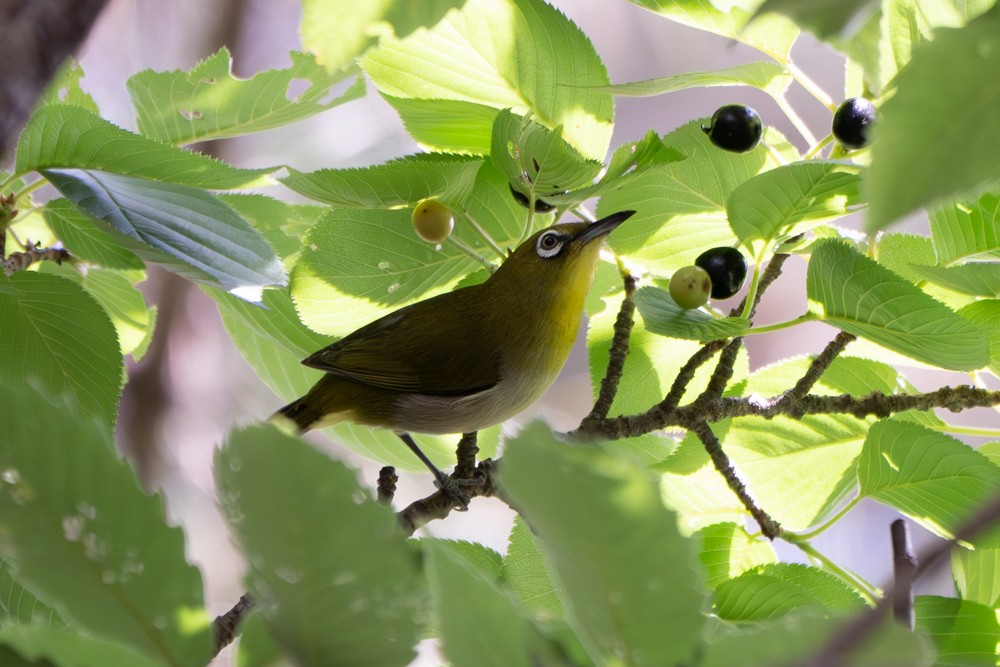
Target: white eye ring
[(549, 244)]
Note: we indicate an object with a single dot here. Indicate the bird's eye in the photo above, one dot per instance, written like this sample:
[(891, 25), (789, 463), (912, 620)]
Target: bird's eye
[(549, 244)]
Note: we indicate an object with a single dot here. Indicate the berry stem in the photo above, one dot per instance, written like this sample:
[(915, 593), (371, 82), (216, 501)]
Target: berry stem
[(778, 326), (490, 266), (484, 235), (811, 86), (796, 119), (818, 146)]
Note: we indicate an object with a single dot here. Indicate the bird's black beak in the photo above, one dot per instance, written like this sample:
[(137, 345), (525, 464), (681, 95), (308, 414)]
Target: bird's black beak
[(603, 227)]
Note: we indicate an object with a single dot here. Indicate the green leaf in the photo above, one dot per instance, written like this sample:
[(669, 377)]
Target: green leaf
[(88, 541), (387, 266), (773, 34), (41, 644), (19, 606), (518, 54), (681, 206), (56, 334), (446, 126), (354, 596), (924, 149), (968, 230), (63, 136), (613, 547), (695, 490), (284, 225), (526, 573), (208, 102), (481, 558), (768, 76), (932, 478), (727, 551), (965, 633), (976, 279), (855, 294), (986, 313), (790, 200), (480, 624), (85, 240), (977, 575), (64, 88), (536, 159), (823, 18), (185, 229), (773, 590), (662, 316), (401, 182)]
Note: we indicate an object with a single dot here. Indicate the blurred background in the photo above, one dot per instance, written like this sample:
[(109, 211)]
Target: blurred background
[(192, 387)]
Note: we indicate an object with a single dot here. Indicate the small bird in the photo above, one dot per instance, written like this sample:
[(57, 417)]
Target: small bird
[(468, 359)]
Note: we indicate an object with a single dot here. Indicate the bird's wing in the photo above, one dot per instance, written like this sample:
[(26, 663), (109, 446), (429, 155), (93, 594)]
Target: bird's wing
[(422, 348)]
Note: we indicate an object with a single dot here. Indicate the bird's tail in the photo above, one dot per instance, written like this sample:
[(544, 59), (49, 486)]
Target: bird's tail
[(301, 413)]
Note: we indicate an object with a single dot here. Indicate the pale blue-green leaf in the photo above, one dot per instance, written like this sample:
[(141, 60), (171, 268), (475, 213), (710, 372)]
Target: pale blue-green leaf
[(64, 136), (929, 146), (88, 540), (187, 230), (614, 549), (768, 76), (354, 596), (853, 293), (208, 102), (518, 54), (664, 317), (57, 334), (934, 479)]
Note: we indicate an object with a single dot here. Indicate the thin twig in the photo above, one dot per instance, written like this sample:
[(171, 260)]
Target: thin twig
[(819, 365), (440, 504), (616, 355), (19, 261), (224, 627), (904, 566)]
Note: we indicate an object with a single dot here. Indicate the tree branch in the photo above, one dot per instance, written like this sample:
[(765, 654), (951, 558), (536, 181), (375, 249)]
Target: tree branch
[(616, 355)]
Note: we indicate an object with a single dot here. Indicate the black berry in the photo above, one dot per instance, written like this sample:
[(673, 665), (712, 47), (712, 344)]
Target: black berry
[(852, 122), (735, 128), (522, 199), (727, 269)]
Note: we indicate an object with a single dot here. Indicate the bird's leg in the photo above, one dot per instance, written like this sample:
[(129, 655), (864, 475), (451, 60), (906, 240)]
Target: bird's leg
[(441, 480)]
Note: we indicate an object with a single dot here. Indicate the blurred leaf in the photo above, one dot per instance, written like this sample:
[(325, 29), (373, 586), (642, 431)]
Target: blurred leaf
[(823, 18), (401, 182), (790, 200), (185, 229), (56, 334), (773, 590), (19, 606), (965, 633), (354, 596), (480, 624), (928, 145), (773, 34), (535, 159), (727, 551), (857, 295), (932, 478), (614, 549), (256, 648), (768, 76), (41, 644), (518, 54), (662, 316), (208, 102), (527, 575), (968, 230), (59, 135), (79, 530), (85, 240)]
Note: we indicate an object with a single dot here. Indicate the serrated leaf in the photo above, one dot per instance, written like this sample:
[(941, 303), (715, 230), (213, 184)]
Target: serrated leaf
[(185, 229), (64, 88), (771, 591), (40, 644), (88, 541), (986, 313), (535, 159), (518, 54), (924, 149), (401, 182), (858, 296), (446, 126), (964, 632), (63, 136), (790, 200), (968, 230), (977, 575), (976, 279), (768, 76), (358, 585), (82, 237), (480, 624), (773, 34), (613, 547), (680, 206), (932, 478), (823, 18), (660, 315), (526, 574), (208, 102), (56, 334), (727, 551)]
